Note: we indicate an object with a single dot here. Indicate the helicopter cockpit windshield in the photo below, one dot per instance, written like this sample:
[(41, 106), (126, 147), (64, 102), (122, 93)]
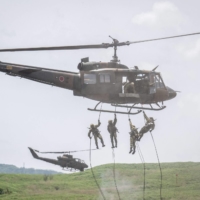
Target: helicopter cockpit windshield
[(143, 83), (79, 160), (159, 81)]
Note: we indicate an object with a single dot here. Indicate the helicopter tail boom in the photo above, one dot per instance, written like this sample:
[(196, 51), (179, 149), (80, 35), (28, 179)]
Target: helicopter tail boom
[(53, 161), (59, 78)]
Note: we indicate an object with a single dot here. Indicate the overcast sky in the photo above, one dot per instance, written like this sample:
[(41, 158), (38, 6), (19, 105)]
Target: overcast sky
[(52, 119)]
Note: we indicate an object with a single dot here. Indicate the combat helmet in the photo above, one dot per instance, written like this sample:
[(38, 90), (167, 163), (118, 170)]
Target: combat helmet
[(109, 121)]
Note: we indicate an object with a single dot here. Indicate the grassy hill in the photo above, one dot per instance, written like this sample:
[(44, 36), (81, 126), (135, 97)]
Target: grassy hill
[(129, 178)]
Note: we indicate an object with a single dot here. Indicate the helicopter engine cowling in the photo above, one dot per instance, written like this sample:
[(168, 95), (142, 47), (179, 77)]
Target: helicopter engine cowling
[(87, 66)]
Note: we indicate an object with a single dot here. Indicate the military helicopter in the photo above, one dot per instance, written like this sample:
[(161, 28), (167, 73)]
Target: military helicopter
[(66, 161), (106, 82)]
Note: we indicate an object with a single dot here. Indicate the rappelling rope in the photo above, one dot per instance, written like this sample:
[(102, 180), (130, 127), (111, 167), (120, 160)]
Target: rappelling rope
[(100, 111), (143, 162), (94, 175), (113, 155), (91, 164), (159, 167)]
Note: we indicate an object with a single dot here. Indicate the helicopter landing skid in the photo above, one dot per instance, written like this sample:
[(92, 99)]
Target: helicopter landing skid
[(110, 111), (142, 108)]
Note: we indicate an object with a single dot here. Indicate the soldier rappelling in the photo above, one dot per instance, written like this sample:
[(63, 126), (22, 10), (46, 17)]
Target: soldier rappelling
[(112, 129), (133, 137), (149, 126), (96, 133)]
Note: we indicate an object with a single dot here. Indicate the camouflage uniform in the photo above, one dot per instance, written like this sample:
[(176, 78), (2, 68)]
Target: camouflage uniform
[(133, 137), (94, 130), (129, 88), (149, 126), (113, 131)]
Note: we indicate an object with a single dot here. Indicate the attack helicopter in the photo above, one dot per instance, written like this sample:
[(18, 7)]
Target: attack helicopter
[(106, 82), (66, 161)]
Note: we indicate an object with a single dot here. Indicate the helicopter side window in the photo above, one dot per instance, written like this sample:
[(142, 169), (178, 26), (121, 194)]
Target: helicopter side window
[(90, 78), (104, 78)]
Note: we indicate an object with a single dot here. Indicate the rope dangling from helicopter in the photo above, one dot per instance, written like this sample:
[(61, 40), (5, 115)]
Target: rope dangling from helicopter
[(113, 155), (133, 144), (100, 112), (149, 126), (95, 134), (144, 167), (159, 166), (94, 175)]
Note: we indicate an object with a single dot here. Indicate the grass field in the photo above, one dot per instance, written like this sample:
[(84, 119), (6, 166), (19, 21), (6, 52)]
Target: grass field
[(129, 178)]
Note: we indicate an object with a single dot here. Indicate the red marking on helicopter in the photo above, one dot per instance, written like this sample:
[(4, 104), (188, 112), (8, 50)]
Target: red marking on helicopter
[(61, 78)]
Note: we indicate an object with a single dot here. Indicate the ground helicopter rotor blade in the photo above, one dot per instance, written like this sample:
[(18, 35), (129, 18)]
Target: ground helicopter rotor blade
[(94, 46), (59, 152), (140, 41)]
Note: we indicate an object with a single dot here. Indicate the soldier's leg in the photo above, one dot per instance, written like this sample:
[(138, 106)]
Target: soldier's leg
[(96, 142), (115, 137), (111, 138), (134, 141), (102, 142), (131, 144)]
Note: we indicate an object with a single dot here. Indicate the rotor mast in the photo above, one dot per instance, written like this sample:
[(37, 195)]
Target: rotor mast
[(115, 43)]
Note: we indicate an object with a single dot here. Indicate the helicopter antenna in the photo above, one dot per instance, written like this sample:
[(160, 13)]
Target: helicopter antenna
[(154, 69), (115, 43)]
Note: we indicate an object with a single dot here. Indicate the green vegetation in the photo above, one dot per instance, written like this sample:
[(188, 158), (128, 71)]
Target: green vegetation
[(11, 169), (180, 181)]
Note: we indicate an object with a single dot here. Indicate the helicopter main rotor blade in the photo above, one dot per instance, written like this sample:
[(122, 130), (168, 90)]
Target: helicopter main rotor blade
[(94, 46), (164, 38), (64, 151)]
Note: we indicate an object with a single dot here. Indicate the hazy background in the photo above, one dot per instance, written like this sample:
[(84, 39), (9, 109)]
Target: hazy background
[(52, 119)]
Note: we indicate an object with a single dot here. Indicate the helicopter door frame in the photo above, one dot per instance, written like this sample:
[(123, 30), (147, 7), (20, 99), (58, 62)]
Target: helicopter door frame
[(106, 82)]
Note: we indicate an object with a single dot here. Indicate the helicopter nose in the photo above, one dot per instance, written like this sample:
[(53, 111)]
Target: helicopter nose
[(172, 94)]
